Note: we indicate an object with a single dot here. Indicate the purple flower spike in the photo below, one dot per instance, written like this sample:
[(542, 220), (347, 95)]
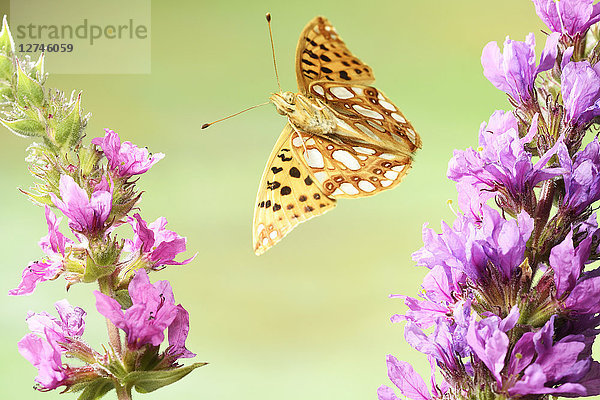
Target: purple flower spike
[(581, 92), (158, 245), (152, 312), (86, 215), (514, 71), (125, 159), (568, 16)]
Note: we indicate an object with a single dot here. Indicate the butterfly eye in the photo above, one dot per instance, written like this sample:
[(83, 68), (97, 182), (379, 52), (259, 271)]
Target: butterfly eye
[(289, 98)]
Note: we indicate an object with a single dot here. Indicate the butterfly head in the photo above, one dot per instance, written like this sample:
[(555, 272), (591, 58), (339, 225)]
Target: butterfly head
[(285, 102)]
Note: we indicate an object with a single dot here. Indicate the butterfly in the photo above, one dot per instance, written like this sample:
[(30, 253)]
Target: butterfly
[(344, 138)]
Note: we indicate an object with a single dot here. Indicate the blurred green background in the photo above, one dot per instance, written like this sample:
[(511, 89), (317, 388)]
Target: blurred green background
[(310, 318)]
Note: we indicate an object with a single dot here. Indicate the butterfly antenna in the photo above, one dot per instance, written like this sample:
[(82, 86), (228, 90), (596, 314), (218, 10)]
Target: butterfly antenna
[(268, 16), (204, 126)]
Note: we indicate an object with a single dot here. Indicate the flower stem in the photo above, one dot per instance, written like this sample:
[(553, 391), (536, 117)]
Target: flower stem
[(114, 337), (542, 213), (123, 393)]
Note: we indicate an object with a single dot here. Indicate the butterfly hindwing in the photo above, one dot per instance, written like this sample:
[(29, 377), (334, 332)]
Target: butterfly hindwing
[(287, 195), (369, 114), (322, 55), (344, 171)]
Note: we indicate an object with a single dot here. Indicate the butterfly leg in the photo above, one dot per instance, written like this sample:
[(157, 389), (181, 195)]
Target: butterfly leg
[(299, 137)]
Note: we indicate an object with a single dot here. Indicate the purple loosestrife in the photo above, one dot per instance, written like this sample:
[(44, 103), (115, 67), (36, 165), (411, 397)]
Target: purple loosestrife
[(49, 339), (155, 245), (568, 17), (95, 186), (509, 308), (153, 310), (125, 159), (514, 70)]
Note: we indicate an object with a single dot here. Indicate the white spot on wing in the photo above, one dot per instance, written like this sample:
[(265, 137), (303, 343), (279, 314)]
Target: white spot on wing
[(346, 158), (319, 90), (412, 135), (366, 186), (314, 158), (297, 141), (310, 142), (366, 112), (380, 96), (260, 228), (362, 157), (376, 124), (386, 183), (337, 192), (273, 234), (387, 105), (398, 118), (398, 168), (348, 188), (359, 91), (265, 241), (364, 150), (387, 156), (321, 176), (391, 175), (341, 92)]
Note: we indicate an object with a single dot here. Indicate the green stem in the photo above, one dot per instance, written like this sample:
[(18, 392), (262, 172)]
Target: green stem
[(114, 337), (123, 393)]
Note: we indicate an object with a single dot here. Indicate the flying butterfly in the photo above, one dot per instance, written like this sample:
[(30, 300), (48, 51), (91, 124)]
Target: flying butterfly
[(344, 138)]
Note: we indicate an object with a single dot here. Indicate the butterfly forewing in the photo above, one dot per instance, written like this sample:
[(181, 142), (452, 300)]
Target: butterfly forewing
[(287, 195), (344, 171), (322, 55)]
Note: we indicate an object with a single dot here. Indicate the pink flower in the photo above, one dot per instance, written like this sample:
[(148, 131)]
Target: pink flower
[(54, 245), (125, 159), (158, 245), (514, 71), (43, 348), (153, 310), (86, 214)]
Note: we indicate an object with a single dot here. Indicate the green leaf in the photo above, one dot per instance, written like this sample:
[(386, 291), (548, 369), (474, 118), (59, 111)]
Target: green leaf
[(28, 90), (94, 390), (6, 68), (69, 129), (37, 72), (7, 45), (149, 381), (25, 127), (6, 93), (94, 271)]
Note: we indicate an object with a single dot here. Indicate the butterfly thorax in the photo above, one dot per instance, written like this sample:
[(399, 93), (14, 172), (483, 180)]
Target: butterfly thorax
[(306, 115)]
